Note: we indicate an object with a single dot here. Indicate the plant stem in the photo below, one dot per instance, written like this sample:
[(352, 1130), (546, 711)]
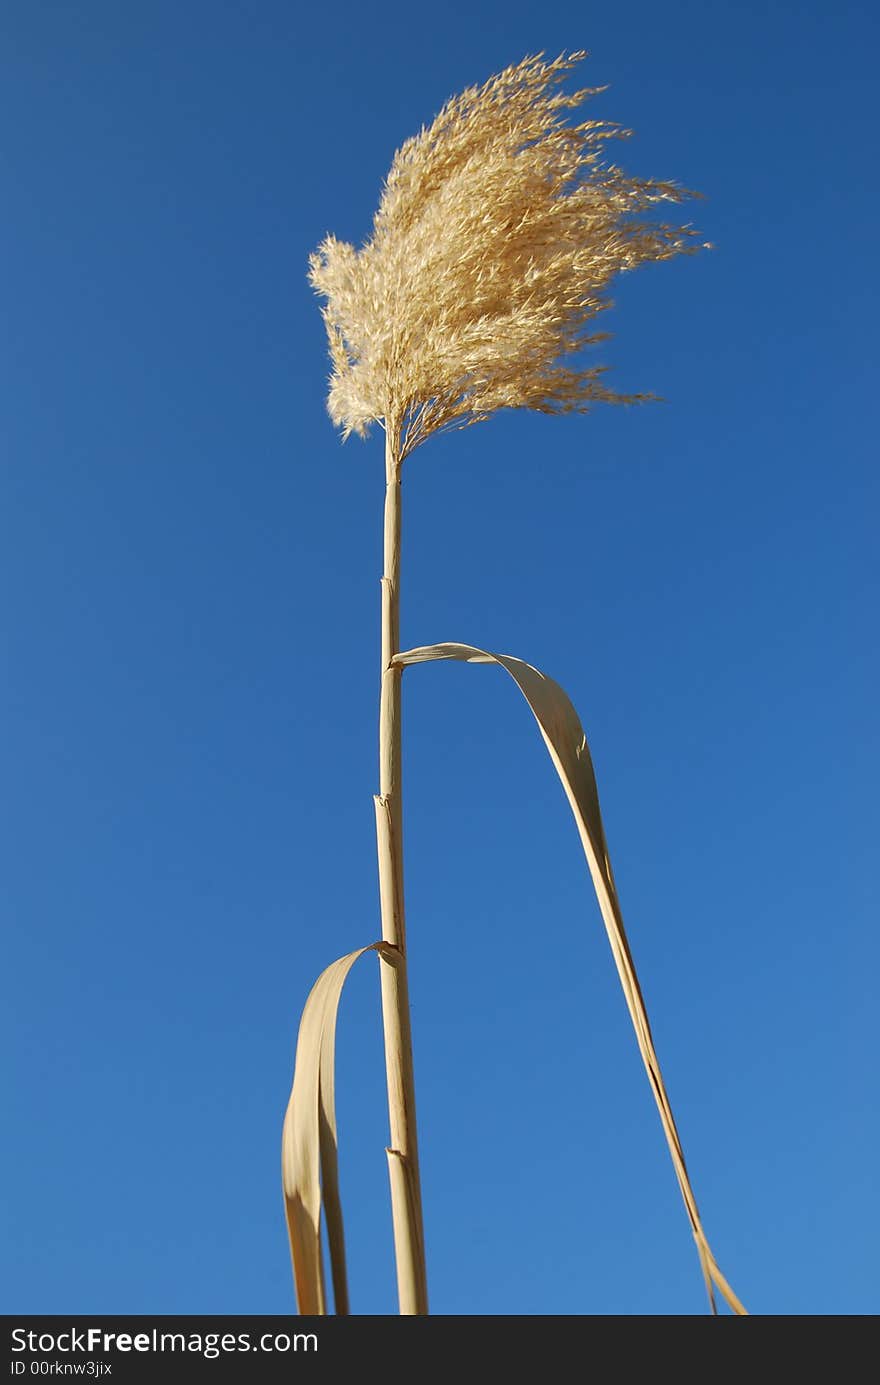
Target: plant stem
[(403, 1154)]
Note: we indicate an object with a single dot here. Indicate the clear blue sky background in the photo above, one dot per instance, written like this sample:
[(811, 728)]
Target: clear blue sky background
[(189, 565)]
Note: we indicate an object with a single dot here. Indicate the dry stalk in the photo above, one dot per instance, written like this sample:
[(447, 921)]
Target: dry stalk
[(499, 230)]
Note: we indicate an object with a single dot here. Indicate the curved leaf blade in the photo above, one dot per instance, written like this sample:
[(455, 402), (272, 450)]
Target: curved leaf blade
[(566, 742), (309, 1145)]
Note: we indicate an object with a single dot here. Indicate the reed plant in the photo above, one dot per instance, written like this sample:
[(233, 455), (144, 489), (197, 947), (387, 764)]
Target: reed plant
[(500, 227)]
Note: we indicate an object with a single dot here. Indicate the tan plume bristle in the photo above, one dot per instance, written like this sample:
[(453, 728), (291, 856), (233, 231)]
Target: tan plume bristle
[(499, 229)]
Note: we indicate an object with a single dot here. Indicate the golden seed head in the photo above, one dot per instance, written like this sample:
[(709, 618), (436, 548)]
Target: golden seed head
[(499, 229)]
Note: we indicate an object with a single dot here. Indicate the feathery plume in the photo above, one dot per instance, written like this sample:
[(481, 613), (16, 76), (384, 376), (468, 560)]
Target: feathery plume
[(499, 229)]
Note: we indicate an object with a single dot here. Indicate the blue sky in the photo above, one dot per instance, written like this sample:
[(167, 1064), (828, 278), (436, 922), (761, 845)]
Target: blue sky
[(190, 561)]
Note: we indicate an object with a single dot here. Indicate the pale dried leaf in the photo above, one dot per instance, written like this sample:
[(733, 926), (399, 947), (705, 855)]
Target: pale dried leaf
[(565, 740), (309, 1145)]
